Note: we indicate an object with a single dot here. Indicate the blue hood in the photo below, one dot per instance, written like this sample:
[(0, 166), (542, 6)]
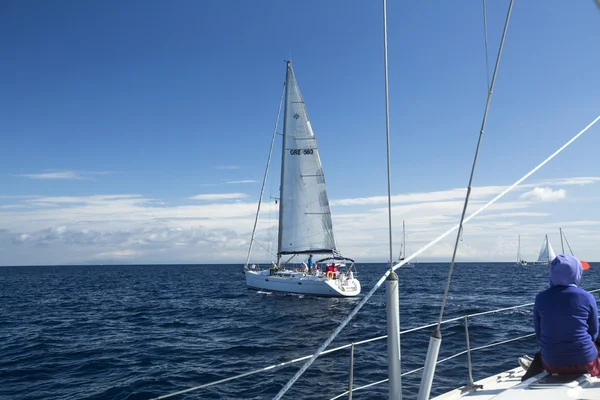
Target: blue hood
[(565, 270)]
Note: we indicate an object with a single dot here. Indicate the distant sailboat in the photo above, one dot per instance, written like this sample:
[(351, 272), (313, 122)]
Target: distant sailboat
[(402, 254), (520, 261), (305, 225), (547, 253)]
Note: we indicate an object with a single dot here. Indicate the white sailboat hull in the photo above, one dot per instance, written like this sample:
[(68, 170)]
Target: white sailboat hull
[(300, 283)]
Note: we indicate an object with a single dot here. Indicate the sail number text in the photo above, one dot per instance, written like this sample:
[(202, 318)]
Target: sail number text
[(297, 152)]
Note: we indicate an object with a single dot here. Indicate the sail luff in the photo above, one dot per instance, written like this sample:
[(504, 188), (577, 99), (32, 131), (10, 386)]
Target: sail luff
[(282, 183), (543, 257)]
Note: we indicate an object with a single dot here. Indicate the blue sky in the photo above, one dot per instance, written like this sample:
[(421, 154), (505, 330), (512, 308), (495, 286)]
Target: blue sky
[(116, 114)]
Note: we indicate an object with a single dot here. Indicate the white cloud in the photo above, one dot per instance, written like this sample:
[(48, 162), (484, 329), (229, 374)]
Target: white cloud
[(219, 196), (581, 181), (228, 183), (544, 194), (66, 175), (442, 195), (136, 229), (117, 254), (459, 193), (242, 181)]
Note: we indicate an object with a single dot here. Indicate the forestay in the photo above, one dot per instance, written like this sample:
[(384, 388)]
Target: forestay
[(304, 215)]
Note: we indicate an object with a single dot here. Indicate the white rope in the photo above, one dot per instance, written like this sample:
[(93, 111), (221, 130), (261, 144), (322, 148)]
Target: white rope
[(341, 326)]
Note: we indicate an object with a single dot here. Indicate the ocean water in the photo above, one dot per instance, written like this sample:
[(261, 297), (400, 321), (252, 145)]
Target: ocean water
[(137, 332)]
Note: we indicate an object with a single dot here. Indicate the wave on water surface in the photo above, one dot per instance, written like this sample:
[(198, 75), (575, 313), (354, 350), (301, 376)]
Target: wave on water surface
[(137, 332)]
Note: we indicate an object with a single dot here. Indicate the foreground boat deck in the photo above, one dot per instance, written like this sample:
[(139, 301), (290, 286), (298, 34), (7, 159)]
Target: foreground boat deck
[(508, 385)]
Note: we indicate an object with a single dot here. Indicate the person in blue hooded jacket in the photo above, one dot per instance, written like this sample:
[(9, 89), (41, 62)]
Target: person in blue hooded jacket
[(565, 318)]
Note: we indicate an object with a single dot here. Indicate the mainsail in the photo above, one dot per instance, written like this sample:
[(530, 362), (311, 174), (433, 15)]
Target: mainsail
[(547, 252), (304, 215)]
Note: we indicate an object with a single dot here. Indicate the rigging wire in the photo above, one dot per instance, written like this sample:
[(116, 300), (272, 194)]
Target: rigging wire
[(469, 187), (568, 245), (268, 250), (387, 132), (262, 189), (487, 63)]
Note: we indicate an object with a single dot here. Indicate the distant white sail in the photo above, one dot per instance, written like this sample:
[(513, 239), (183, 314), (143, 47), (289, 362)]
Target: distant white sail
[(551, 253), (547, 252), (402, 254), (304, 216)]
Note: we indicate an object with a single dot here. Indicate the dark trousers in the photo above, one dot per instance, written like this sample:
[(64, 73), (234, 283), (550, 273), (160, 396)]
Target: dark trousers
[(537, 367)]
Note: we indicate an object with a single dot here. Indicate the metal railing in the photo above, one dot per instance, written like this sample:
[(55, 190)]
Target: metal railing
[(351, 346)]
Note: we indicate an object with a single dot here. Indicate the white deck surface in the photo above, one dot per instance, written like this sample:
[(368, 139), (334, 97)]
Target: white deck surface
[(508, 385)]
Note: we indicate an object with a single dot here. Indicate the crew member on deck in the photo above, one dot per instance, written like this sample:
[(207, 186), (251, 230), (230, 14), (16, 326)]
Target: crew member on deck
[(565, 318), (310, 264)]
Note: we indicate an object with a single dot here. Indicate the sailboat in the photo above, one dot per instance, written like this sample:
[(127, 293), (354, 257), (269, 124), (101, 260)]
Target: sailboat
[(305, 226), (547, 253), (402, 254), (520, 261)]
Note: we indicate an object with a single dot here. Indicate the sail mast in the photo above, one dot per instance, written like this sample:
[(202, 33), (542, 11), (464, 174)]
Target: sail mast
[(568, 245), (562, 246), (281, 184), (403, 240), (519, 250)]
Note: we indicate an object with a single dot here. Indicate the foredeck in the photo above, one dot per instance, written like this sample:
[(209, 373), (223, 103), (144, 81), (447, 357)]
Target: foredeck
[(508, 385)]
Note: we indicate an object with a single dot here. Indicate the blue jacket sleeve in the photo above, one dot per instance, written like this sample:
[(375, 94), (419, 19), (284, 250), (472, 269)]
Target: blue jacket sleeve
[(593, 319), (536, 320)]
